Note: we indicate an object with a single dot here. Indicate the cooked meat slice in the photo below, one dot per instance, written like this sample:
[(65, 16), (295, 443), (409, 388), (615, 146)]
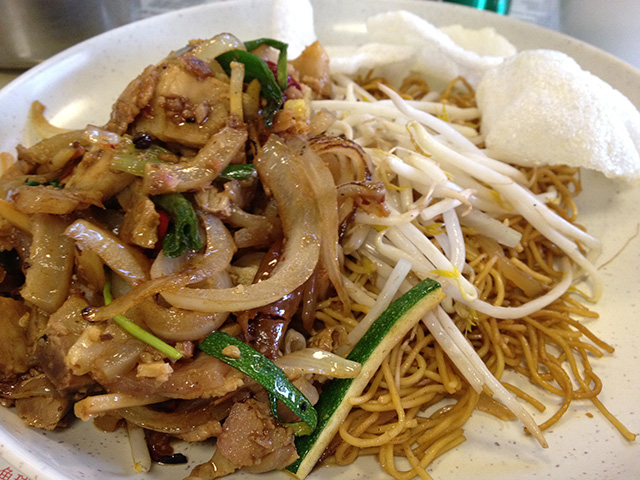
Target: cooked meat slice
[(46, 411), (135, 97), (203, 377), (48, 199), (63, 329), (185, 108), (13, 354), (94, 175), (251, 433), (141, 219), (250, 440)]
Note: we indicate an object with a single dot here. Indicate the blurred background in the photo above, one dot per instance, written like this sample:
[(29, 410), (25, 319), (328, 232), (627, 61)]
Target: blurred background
[(30, 29)]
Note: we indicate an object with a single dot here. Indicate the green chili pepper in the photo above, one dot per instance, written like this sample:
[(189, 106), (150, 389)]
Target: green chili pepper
[(255, 365), (183, 232), (255, 68), (282, 57)]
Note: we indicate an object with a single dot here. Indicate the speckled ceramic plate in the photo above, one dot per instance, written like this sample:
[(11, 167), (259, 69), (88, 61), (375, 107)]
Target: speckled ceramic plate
[(79, 86)]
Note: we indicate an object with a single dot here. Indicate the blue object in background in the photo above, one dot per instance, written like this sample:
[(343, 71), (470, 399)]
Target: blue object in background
[(498, 6)]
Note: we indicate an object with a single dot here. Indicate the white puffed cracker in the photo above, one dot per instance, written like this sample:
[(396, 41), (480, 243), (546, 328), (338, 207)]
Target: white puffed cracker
[(539, 107), (436, 54), (292, 23)]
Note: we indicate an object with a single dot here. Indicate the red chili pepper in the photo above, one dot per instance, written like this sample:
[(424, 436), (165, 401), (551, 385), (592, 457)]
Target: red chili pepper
[(273, 67), (290, 81), (163, 225)]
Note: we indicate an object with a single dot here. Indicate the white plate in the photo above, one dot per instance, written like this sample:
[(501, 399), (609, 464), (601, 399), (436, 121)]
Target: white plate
[(79, 85)]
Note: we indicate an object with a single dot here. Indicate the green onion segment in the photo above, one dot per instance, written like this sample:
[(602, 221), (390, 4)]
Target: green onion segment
[(127, 158), (258, 367), (140, 333), (255, 68), (333, 406)]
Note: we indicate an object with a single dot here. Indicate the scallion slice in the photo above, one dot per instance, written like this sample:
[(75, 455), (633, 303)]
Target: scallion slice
[(238, 172), (140, 333)]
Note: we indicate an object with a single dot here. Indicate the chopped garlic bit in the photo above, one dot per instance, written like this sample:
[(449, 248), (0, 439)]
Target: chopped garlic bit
[(231, 351), (158, 370)]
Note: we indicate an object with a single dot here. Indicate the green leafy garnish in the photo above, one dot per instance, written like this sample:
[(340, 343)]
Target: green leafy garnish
[(184, 229), (140, 333), (53, 183), (252, 363), (238, 172)]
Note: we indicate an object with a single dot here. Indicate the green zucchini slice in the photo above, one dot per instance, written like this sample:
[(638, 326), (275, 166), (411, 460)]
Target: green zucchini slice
[(333, 406)]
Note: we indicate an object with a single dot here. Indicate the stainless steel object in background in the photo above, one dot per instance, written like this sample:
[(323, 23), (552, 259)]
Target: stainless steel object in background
[(33, 30)]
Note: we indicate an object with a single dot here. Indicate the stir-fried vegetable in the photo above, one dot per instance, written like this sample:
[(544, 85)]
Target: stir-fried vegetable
[(132, 159), (53, 183), (138, 332), (183, 232), (255, 68), (372, 348), (281, 74), (243, 171), (255, 365)]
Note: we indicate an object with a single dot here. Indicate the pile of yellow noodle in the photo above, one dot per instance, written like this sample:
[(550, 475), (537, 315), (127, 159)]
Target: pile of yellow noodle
[(550, 348)]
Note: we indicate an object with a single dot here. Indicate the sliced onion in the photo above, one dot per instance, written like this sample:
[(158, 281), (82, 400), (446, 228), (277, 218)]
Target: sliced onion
[(177, 324), (184, 420), (127, 261), (326, 196), (360, 165), (220, 250), (40, 124), (320, 362), (216, 46), (48, 279), (200, 170), (301, 224), (100, 404)]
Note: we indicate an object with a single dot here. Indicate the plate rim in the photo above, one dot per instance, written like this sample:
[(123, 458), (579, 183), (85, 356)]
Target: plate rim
[(36, 466)]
